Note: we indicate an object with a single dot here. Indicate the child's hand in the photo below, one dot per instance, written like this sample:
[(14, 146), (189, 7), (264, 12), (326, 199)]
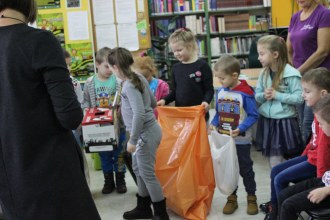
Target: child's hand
[(206, 106), (317, 195), (269, 93), (211, 128), (131, 147), (234, 133), (161, 102)]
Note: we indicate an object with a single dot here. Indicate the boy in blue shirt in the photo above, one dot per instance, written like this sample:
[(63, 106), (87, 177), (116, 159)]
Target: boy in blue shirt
[(236, 112)]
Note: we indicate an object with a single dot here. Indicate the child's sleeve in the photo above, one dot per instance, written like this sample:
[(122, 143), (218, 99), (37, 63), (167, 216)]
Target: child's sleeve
[(294, 96), (207, 83), (260, 90), (171, 96), (215, 120), (79, 92), (250, 107), (86, 97), (323, 153)]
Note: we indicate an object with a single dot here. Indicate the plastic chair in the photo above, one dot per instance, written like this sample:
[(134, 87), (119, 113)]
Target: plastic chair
[(319, 213)]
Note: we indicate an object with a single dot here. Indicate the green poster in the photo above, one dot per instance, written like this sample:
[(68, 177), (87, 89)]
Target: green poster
[(46, 4), (52, 22), (82, 65)]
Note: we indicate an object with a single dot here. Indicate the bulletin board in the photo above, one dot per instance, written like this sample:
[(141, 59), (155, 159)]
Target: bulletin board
[(70, 22), (121, 23)]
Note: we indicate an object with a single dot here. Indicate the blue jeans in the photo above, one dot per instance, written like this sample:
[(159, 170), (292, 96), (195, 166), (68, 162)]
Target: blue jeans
[(114, 160), (306, 118), (290, 171), (246, 167)]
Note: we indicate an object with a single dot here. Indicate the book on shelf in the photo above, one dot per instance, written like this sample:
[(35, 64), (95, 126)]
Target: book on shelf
[(219, 4), (169, 6), (236, 22)]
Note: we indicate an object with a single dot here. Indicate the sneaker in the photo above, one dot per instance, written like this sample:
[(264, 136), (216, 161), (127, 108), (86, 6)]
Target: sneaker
[(231, 205), (252, 206)]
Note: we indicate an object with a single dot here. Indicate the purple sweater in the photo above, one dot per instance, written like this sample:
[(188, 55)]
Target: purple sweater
[(303, 35)]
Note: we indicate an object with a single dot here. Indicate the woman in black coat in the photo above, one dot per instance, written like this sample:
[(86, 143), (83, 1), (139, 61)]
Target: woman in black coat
[(41, 168)]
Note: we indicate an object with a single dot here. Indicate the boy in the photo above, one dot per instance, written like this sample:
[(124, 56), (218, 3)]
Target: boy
[(312, 193), (236, 112), (99, 91)]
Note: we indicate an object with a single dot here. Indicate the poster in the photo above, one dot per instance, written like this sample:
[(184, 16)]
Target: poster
[(78, 25), (46, 4), (82, 65), (54, 23), (73, 3)]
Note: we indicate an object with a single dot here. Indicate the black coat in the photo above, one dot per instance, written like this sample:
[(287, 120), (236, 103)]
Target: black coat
[(41, 168)]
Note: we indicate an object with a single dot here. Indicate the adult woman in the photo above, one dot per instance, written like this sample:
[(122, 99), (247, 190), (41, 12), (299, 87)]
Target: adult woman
[(308, 45), (41, 169)]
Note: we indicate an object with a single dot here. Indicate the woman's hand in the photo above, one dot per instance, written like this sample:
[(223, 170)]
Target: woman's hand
[(131, 147)]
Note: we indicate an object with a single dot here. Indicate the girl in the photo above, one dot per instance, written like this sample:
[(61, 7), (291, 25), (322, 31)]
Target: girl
[(145, 135), (146, 67), (191, 78), (99, 91), (315, 159), (278, 91)]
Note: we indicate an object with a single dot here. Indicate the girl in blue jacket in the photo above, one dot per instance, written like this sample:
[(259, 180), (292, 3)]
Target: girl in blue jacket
[(278, 92)]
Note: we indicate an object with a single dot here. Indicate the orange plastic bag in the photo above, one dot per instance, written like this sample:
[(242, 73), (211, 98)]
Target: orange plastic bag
[(184, 163)]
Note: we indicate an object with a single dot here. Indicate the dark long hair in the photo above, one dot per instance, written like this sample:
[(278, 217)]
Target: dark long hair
[(27, 7), (123, 59)]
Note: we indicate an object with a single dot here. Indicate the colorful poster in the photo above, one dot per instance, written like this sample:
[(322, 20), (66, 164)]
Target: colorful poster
[(82, 65), (52, 22), (46, 4)]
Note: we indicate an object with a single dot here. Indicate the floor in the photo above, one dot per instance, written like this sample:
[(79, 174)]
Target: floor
[(112, 206)]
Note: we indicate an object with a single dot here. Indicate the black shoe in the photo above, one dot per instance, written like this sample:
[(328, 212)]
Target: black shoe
[(272, 214), (265, 207), (120, 182), (160, 212), (142, 211), (109, 183)]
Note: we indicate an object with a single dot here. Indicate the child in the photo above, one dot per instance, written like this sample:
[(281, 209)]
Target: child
[(278, 92), (315, 159), (192, 77), (312, 193), (137, 106), (146, 67), (77, 133), (235, 102), (99, 91)]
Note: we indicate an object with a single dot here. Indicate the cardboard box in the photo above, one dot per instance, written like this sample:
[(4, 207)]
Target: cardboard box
[(98, 130)]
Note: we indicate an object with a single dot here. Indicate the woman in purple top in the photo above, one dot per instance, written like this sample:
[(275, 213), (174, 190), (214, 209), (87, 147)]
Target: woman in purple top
[(308, 46)]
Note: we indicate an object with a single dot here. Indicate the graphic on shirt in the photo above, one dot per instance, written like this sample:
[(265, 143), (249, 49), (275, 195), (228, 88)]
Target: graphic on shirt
[(229, 109), (197, 76)]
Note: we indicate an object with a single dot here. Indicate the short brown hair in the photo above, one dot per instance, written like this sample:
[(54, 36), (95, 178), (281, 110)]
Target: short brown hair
[(319, 77), (322, 108), (102, 55), (228, 65), (27, 7)]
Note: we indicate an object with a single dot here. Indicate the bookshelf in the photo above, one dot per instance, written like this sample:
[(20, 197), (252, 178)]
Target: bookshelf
[(220, 26)]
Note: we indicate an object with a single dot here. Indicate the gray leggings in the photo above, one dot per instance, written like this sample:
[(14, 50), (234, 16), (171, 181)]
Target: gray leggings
[(143, 162)]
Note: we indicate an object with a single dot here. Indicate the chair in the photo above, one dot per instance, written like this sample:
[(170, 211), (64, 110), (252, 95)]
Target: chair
[(319, 213)]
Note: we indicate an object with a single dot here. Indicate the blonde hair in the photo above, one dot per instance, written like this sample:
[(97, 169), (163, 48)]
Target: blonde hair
[(325, 3), (227, 64), (145, 65), (275, 43), (185, 36)]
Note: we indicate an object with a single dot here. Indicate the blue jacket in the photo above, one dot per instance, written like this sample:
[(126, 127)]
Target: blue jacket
[(285, 101), (236, 108)]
